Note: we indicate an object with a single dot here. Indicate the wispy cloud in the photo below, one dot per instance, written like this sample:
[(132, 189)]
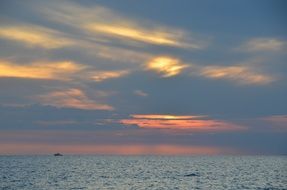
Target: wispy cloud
[(166, 66), (181, 122), (105, 25), (137, 33), (238, 73), (39, 70), (263, 44), (71, 98), (244, 74), (61, 70), (32, 35), (100, 76)]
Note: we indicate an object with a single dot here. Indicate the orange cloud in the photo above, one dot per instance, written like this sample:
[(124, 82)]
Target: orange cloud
[(35, 36), (192, 123), (110, 149), (72, 98), (169, 117), (166, 66), (41, 70)]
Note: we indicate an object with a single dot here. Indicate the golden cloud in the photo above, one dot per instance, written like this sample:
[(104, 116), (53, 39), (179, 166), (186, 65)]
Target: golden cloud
[(239, 74), (35, 36), (136, 33), (71, 98), (63, 70), (103, 24), (175, 122), (166, 66), (39, 70)]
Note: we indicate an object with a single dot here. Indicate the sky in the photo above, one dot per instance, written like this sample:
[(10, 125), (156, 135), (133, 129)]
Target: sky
[(132, 77)]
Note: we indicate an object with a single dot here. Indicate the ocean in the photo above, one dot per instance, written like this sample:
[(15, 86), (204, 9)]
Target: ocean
[(143, 172)]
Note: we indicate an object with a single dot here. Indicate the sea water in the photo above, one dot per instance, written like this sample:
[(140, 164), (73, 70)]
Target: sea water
[(143, 172)]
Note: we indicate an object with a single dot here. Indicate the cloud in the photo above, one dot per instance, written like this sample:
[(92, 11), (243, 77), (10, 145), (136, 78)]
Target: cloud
[(182, 122), (105, 25), (61, 70), (138, 33), (238, 73), (47, 38), (263, 44), (71, 98), (39, 70), (140, 93), (32, 35), (242, 74), (165, 66), (169, 117), (100, 76)]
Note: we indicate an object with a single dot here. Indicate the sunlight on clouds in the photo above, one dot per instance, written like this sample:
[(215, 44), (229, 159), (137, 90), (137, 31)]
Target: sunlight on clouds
[(170, 117), (263, 44), (72, 98), (35, 36), (39, 70), (185, 122), (239, 74), (166, 66), (100, 76), (103, 24), (64, 70), (136, 33)]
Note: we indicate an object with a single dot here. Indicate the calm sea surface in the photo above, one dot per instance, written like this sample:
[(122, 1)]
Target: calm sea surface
[(143, 172)]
